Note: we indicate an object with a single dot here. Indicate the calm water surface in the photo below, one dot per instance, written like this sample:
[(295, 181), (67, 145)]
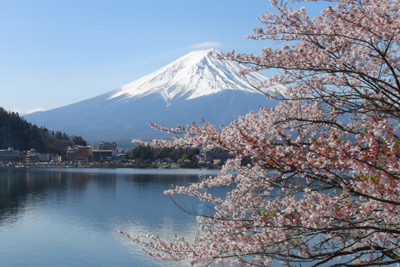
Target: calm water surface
[(70, 217)]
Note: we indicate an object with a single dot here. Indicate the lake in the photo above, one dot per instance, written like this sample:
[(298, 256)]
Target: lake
[(70, 217)]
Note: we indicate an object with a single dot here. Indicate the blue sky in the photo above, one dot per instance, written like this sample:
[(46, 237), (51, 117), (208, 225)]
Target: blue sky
[(58, 52)]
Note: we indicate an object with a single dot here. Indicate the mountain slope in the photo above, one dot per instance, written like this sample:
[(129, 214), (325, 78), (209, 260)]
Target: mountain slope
[(195, 86), (196, 74)]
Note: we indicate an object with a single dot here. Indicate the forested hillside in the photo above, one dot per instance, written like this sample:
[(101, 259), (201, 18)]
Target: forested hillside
[(21, 135), (146, 152)]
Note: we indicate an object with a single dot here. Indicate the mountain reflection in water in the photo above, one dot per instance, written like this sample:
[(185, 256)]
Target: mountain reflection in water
[(70, 217)]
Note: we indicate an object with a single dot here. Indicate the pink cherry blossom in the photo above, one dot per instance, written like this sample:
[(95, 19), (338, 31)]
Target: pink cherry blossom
[(330, 147)]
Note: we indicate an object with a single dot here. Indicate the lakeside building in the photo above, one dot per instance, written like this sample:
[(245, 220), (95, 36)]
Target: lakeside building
[(214, 154), (105, 151), (70, 154), (83, 153), (32, 156), (47, 157), (55, 158), (107, 146), (120, 157), (102, 155), (44, 157), (9, 154)]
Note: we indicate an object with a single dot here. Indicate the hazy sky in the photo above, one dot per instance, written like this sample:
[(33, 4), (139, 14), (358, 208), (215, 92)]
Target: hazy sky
[(56, 52)]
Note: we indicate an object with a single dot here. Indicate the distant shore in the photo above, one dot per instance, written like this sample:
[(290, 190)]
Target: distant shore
[(107, 166)]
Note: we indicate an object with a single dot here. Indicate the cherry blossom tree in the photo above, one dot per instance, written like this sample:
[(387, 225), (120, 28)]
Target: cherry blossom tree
[(330, 147)]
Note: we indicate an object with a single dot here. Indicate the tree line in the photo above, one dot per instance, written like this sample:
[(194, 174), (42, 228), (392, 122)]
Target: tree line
[(143, 153), (21, 135)]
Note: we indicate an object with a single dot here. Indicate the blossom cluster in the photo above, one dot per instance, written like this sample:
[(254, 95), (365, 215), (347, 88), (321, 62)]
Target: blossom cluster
[(329, 147)]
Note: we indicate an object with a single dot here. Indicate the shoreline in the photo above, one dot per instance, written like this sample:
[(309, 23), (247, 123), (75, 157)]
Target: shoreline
[(108, 166)]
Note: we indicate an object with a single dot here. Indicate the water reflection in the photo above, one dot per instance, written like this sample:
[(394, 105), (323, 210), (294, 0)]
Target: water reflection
[(71, 216)]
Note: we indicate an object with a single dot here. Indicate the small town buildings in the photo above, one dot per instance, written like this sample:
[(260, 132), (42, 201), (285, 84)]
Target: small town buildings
[(47, 157), (107, 146), (44, 157), (102, 155), (83, 153), (32, 156), (55, 158), (9, 155), (120, 156), (70, 154), (214, 154), (105, 151)]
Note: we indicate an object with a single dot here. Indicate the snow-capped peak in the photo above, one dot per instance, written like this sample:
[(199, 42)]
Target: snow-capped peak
[(196, 74)]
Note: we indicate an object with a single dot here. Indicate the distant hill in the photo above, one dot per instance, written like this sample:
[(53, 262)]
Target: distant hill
[(21, 135), (197, 85)]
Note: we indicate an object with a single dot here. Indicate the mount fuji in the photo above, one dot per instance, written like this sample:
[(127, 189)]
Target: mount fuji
[(196, 86)]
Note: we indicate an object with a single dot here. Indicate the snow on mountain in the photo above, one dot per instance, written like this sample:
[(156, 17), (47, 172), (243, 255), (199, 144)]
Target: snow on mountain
[(196, 74), (193, 87)]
